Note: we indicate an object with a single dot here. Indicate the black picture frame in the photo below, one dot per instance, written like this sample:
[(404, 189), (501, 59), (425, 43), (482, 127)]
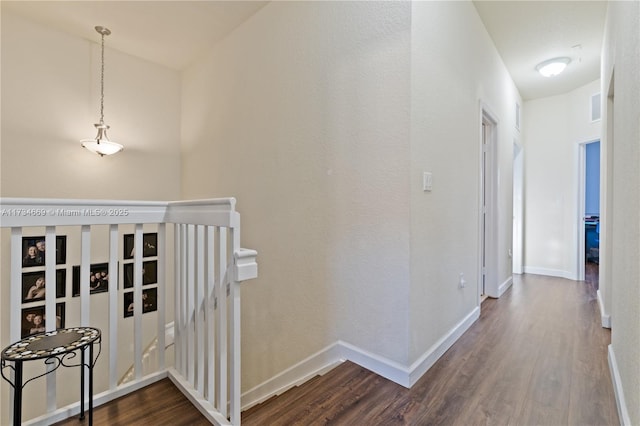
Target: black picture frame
[(149, 301), (149, 273), (38, 257), (29, 315), (149, 245), (30, 292), (127, 299), (96, 285)]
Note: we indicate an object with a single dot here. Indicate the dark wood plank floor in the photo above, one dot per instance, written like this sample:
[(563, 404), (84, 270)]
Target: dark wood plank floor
[(536, 356), (158, 404)]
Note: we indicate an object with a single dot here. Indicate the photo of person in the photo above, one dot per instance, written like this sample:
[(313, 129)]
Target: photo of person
[(38, 325), (149, 273), (34, 319), (98, 279), (34, 250), (149, 302), (33, 285), (149, 245), (37, 290), (33, 257), (128, 304)]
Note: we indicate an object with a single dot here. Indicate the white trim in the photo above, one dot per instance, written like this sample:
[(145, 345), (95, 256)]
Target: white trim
[(331, 356), (517, 243), (604, 316), (581, 156), (316, 364), (582, 196), (550, 272), (382, 366), (623, 412), (205, 407), (505, 286), (488, 190), (426, 361)]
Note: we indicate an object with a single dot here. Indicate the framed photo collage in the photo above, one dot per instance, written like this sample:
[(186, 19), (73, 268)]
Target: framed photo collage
[(34, 283)]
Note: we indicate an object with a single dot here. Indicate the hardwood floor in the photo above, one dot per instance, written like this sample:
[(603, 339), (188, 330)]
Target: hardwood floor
[(536, 356), (158, 404), (591, 271)]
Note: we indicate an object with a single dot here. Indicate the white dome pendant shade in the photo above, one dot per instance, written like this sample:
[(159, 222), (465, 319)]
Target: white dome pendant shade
[(101, 144)]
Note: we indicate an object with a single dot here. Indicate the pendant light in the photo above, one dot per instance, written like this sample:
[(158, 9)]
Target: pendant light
[(101, 144)]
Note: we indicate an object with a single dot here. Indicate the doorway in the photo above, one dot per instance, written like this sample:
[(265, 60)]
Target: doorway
[(487, 285), (589, 244), (589, 214)]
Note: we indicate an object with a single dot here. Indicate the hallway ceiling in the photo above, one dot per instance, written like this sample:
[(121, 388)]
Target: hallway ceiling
[(170, 33), (529, 32), (175, 33)]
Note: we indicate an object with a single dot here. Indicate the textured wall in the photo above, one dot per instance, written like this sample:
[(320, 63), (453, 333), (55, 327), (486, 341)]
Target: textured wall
[(303, 114), (621, 68), (553, 129), (455, 67)]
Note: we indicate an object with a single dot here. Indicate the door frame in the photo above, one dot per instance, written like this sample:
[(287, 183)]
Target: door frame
[(582, 196), (488, 191), (517, 252)]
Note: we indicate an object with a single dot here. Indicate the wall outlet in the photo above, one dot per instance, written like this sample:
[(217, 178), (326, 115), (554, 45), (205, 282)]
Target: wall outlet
[(510, 253), (461, 281)]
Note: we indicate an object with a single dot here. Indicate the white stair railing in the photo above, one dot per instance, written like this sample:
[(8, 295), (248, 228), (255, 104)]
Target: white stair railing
[(198, 240)]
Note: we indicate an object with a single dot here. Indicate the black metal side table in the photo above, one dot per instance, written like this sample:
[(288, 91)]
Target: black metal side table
[(56, 348)]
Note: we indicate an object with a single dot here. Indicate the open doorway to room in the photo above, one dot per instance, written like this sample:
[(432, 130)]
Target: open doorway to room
[(589, 247)]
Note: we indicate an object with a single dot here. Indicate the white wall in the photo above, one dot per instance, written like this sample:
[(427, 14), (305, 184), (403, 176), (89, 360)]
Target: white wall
[(320, 117), (50, 100), (620, 70), (302, 114), (455, 66), (553, 129)]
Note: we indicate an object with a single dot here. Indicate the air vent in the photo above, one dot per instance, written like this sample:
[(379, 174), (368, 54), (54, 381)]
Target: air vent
[(596, 113)]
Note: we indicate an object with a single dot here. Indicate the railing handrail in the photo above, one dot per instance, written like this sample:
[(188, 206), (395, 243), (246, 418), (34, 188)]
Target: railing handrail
[(209, 265), (15, 212)]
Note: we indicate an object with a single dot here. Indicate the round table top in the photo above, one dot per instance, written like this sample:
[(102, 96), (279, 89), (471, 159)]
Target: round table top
[(50, 343)]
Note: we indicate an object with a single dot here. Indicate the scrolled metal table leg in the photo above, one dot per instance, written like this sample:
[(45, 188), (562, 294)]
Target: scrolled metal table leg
[(17, 395)]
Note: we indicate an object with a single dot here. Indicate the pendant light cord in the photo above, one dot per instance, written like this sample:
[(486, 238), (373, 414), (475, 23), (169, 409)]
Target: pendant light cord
[(102, 84)]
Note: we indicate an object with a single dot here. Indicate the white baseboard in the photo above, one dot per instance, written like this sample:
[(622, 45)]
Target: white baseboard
[(550, 272), (329, 357), (604, 317), (316, 364), (426, 361), (623, 412), (382, 366), (505, 286)]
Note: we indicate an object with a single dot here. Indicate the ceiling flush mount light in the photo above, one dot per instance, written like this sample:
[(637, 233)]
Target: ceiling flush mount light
[(553, 66), (101, 144)]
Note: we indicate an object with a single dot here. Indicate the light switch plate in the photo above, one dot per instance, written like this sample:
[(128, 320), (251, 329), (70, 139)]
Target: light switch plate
[(427, 181)]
